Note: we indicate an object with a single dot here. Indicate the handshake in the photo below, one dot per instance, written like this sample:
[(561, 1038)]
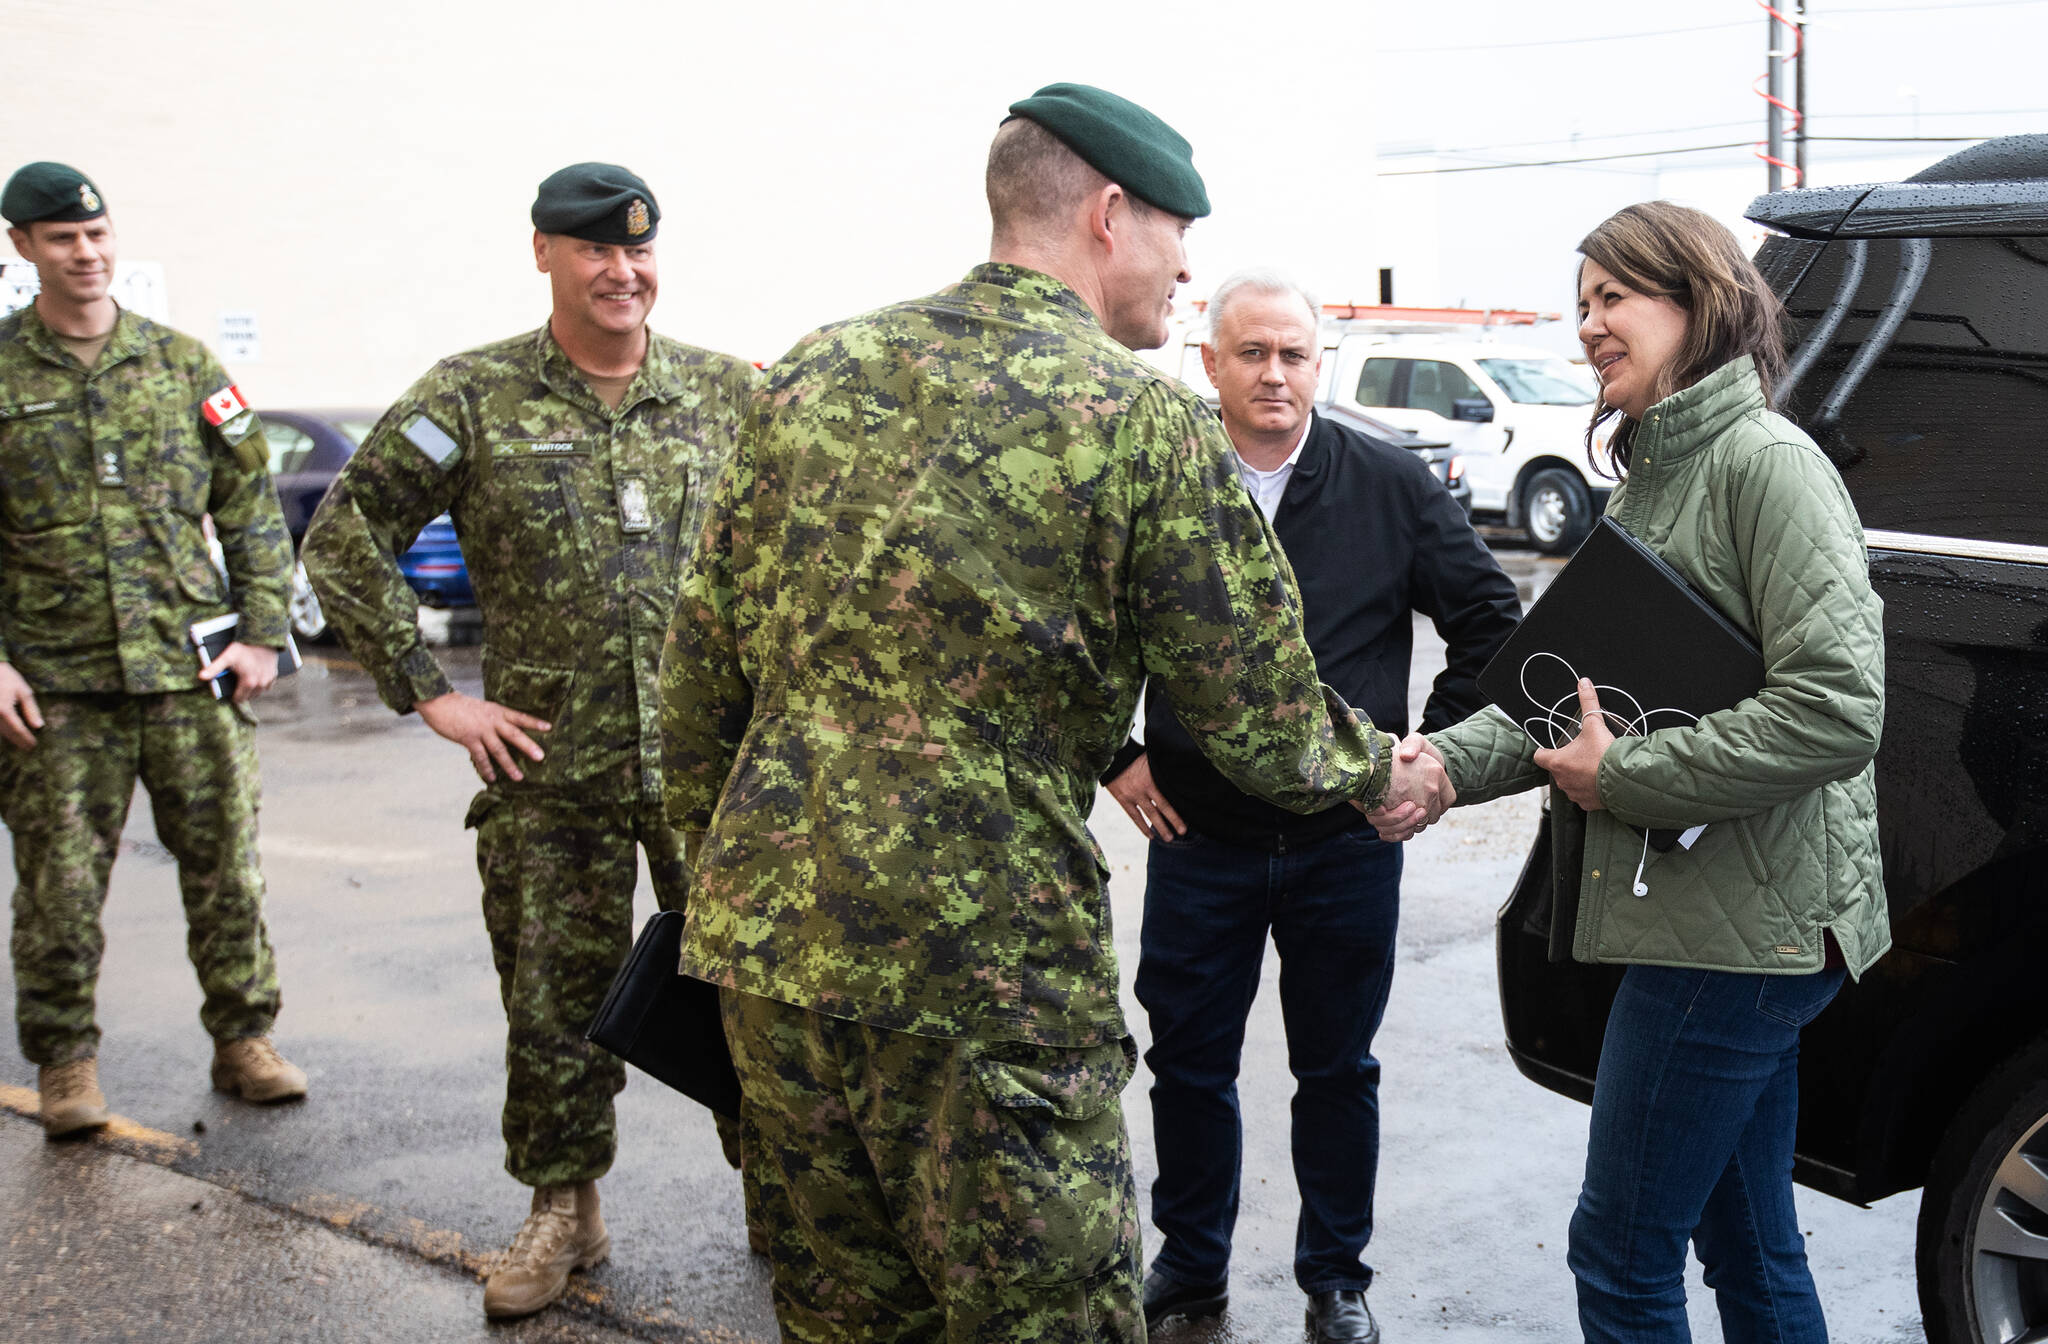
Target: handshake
[(1418, 795)]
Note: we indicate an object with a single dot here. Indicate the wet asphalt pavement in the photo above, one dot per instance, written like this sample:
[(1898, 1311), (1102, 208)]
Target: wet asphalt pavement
[(369, 1210)]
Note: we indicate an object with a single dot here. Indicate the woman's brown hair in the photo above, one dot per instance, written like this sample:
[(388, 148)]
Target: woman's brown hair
[(1685, 255)]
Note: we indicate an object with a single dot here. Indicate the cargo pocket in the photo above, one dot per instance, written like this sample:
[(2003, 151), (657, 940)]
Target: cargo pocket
[(35, 592), (544, 693), (1053, 1198), (38, 592), (49, 481)]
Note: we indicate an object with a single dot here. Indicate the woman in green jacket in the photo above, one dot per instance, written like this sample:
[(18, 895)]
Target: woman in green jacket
[(1736, 943)]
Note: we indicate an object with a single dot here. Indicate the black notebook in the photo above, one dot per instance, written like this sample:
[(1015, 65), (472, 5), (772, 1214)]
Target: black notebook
[(211, 636), (1660, 654), (667, 1024)]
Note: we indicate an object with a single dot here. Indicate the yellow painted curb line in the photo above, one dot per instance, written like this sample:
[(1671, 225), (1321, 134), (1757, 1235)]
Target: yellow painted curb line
[(140, 1139)]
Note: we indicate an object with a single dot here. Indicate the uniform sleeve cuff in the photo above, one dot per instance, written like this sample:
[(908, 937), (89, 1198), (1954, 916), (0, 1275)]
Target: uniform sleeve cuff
[(265, 629), (417, 677), (1130, 751)]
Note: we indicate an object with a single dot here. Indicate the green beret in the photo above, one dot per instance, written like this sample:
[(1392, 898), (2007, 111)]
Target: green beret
[(1123, 142), (597, 202), (52, 191)]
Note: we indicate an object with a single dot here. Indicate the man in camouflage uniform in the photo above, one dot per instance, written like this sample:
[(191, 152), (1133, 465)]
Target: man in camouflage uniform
[(576, 461), (958, 535), (117, 436)]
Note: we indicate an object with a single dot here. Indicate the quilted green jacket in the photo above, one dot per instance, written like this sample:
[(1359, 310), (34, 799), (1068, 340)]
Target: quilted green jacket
[(1739, 501)]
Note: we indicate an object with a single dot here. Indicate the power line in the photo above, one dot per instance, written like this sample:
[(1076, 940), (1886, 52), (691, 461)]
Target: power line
[(1690, 149), (1426, 152), (1568, 139), (1697, 28), (1552, 163)]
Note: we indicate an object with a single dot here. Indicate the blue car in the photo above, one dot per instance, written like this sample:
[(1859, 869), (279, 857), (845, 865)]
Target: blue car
[(434, 567), (307, 450)]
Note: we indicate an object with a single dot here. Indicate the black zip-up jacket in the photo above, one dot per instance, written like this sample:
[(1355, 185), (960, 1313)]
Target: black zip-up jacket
[(1372, 536)]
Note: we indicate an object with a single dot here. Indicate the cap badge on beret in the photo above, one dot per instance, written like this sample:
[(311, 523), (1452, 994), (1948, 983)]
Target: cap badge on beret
[(56, 192), (599, 203)]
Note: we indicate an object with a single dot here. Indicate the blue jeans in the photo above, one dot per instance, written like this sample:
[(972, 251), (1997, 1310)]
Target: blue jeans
[(1693, 1118), (1332, 909)]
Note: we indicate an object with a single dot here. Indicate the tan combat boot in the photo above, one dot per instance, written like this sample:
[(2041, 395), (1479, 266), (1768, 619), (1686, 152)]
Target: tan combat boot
[(71, 1097), (252, 1069), (564, 1232)]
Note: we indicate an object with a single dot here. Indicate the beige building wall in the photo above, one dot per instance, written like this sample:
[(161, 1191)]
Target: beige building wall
[(358, 176)]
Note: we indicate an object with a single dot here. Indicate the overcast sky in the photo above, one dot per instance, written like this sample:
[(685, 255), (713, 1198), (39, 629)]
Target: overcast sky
[(1535, 81), (366, 169)]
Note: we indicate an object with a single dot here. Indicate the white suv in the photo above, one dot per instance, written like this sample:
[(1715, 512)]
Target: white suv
[(1515, 415)]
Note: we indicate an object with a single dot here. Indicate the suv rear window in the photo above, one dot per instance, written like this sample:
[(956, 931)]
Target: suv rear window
[(1931, 392)]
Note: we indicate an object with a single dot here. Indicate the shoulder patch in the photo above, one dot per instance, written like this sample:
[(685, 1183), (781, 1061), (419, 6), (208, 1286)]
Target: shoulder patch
[(223, 406), (439, 446)]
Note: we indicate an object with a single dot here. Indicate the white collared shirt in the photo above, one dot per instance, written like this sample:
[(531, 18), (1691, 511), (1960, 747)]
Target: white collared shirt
[(1268, 486)]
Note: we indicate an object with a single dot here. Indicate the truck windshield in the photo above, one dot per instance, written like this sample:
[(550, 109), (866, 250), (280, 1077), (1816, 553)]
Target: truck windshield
[(1541, 382)]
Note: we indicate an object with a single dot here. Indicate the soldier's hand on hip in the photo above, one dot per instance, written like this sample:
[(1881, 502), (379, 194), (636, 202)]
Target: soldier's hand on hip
[(19, 717), (254, 666), (487, 730), (1142, 802)]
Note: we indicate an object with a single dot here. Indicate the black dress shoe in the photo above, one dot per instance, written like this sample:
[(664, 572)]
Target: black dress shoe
[(1339, 1316), (1165, 1296)]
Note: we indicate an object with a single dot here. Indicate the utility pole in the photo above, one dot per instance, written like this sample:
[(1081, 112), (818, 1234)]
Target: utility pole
[(1774, 104), (1799, 92)]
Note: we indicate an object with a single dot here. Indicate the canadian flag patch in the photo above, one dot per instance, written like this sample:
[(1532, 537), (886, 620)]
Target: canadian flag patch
[(224, 406)]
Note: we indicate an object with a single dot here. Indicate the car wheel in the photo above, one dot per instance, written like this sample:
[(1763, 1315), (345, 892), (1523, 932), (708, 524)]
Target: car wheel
[(1983, 1246), (309, 622), (1557, 510)]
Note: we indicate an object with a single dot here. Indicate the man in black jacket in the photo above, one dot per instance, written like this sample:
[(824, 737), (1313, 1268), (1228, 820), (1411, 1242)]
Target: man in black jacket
[(1372, 536)]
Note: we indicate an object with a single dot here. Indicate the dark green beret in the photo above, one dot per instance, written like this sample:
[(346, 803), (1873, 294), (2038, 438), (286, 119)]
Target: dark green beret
[(1123, 142), (52, 191), (597, 202)]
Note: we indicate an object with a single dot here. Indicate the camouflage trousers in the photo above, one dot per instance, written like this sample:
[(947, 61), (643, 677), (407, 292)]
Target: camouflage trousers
[(558, 879), (65, 802), (921, 1189)]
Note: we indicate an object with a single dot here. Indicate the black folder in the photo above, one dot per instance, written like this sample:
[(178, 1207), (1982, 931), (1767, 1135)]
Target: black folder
[(1662, 655), (667, 1024), (210, 637)]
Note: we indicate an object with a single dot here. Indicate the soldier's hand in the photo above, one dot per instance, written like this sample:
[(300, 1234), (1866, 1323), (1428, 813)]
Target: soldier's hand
[(19, 717), (1143, 803), (254, 666), (487, 730), (1419, 793)]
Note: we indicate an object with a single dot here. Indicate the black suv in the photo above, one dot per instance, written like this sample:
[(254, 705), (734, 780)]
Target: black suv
[(1920, 319)]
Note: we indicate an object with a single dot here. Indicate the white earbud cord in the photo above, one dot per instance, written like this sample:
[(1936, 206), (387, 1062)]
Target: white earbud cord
[(1559, 725)]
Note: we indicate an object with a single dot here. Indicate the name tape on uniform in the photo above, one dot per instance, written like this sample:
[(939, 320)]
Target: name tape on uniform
[(538, 448), (432, 440)]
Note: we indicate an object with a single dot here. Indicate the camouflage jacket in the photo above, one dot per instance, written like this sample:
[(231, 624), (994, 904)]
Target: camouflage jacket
[(958, 535), (571, 518), (105, 474)]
